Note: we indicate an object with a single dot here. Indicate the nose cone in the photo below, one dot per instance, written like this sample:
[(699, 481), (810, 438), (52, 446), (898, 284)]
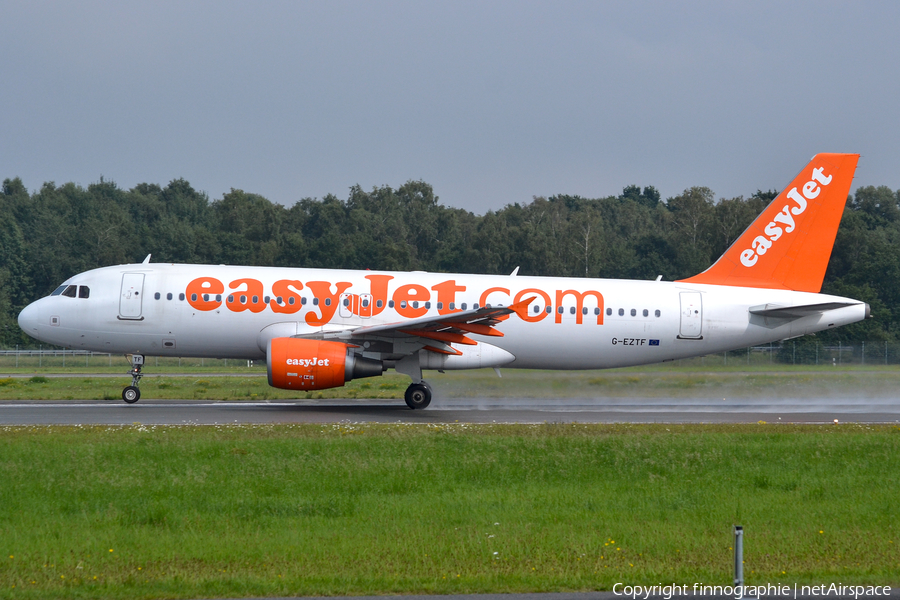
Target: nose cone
[(28, 320)]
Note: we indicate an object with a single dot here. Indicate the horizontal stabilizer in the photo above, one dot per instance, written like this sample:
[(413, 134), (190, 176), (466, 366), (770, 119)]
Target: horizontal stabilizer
[(778, 311)]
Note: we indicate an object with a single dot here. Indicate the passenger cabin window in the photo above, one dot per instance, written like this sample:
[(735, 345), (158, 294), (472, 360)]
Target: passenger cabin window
[(70, 291), (156, 296), (84, 291), (169, 296), (608, 312)]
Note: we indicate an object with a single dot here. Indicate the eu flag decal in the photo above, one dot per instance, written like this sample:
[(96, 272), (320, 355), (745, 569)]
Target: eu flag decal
[(654, 342)]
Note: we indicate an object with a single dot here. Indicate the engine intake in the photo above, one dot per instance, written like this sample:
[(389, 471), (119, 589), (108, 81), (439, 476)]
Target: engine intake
[(298, 364)]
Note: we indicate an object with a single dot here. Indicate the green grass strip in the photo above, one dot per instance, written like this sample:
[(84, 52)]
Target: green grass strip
[(178, 512)]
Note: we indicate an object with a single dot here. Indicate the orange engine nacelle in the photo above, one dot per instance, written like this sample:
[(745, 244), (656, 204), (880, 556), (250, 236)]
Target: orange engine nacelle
[(297, 364)]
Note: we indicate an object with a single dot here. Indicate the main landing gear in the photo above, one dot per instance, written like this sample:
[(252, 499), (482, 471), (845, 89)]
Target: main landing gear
[(418, 395), (132, 393)]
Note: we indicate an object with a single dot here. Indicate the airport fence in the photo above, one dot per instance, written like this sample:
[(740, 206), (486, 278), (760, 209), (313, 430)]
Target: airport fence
[(40, 358), (805, 352), (791, 352)]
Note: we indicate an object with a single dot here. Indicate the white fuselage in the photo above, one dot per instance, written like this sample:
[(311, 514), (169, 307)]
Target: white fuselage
[(151, 309)]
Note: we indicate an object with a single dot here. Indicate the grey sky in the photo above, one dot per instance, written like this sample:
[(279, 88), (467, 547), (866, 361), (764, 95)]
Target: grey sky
[(490, 102)]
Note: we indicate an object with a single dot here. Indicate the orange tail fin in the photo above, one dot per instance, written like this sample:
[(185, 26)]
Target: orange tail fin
[(789, 244)]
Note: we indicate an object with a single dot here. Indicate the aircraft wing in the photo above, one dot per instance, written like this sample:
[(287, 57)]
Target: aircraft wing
[(434, 333), (437, 333)]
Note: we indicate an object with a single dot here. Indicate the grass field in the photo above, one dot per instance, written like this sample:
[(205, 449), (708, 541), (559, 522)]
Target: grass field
[(718, 382), (176, 512)]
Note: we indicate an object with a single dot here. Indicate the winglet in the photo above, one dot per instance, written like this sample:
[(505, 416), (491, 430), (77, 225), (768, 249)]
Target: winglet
[(521, 307), (789, 244)]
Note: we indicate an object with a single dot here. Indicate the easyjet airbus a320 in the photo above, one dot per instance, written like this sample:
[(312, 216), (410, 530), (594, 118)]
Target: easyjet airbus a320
[(318, 328)]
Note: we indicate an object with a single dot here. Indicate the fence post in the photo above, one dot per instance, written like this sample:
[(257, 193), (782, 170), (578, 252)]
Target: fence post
[(738, 555)]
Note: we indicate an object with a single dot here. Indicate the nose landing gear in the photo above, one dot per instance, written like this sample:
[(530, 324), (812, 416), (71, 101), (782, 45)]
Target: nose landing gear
[(132, 393)]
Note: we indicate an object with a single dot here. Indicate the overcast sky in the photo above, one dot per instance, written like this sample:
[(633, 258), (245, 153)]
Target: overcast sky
[(490, 102)]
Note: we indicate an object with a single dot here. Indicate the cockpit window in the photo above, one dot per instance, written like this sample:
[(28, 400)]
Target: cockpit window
[(58, 290), (70, 291), (84, 291)]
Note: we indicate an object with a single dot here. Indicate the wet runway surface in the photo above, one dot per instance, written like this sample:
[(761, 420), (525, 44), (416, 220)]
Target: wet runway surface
[(451, 410)]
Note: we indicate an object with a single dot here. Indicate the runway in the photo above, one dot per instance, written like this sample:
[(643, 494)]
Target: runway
[(453, 410)]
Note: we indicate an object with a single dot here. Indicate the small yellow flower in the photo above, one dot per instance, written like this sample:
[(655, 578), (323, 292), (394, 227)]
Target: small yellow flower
[(820, 531), (110, 549)]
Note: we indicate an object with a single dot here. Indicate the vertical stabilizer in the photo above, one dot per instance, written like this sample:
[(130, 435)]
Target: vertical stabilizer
[(789, 244)]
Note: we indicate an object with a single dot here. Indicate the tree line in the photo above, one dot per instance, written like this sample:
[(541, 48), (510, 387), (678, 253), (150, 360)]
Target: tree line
[(55, 232)]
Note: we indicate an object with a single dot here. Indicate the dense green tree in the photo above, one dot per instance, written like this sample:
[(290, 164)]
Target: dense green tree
[(56, 231)]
